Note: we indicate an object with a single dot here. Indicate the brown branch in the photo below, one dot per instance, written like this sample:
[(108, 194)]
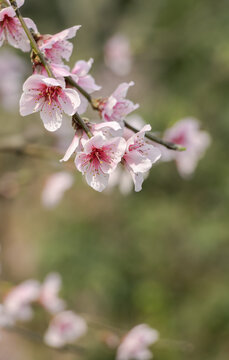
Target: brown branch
[(38, 338), (150, 136)]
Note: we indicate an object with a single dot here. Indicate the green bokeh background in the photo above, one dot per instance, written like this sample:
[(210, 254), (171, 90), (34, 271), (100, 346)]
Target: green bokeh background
[(160, 256)]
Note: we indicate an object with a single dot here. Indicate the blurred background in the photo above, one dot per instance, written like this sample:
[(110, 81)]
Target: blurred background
[(159, 256)]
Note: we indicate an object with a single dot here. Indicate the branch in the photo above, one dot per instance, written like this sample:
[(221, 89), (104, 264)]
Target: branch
[(93, 103), (46, 65), (31, 38), (169, 145), (38, 338), (76, 118)]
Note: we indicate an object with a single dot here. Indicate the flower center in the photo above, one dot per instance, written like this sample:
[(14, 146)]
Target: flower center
[(50, 93)]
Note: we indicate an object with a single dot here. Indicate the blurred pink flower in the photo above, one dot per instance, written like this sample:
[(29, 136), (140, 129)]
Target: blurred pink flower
[(64, 328), (99, 159), (57, 47), (140, 156), (186, 133), (18, 301), (12, 71), (80, 75), (116, 107), (50, 97), (117, 54), (55, 187), (5, 318), (135, 344), (121, 178), (12, 31), (48, 297)]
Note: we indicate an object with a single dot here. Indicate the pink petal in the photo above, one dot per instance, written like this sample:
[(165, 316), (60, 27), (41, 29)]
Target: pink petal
[(122, 90), (72, 148), (69, 101), (51, 116), (97, 179), (28, 104), (81, 67)]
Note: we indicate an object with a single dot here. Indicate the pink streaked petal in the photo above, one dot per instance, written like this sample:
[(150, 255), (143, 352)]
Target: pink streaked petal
[(137, 162), (96, 141), (33, 82), (97, 179), (51, 117), (111, 128), (69, 101), (122, 90), (82, 67), (63, 35), (109, 106), (53, 82), (72, 148), (28, 104), (8, 11), (15, 35), (88, 83)]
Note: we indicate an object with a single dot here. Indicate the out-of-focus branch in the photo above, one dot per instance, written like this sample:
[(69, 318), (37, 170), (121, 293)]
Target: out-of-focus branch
[(18, 144), (38, 338)]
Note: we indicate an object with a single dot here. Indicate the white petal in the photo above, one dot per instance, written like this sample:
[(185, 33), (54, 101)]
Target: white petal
[(72, 148), (52, 117)]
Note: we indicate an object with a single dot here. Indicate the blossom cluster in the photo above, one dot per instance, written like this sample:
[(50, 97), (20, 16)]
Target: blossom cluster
[(66, 326), (59, 93)]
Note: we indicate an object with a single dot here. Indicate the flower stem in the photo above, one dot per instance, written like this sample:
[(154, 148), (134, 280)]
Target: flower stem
[(80, 121)]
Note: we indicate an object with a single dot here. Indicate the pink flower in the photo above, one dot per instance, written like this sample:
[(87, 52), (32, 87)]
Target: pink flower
[(117, 54), (55, 187), (140, 156), (116, 107), (48, 294), (186, 133), (50, 97), (99, 159), (6, 319), (12, 71), (80, 76), (18, 301), (65, 328), (57, 47), (110, 129), (12, 31), (135, 344)]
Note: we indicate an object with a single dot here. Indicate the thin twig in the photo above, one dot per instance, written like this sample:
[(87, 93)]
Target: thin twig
[(154, 138)]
